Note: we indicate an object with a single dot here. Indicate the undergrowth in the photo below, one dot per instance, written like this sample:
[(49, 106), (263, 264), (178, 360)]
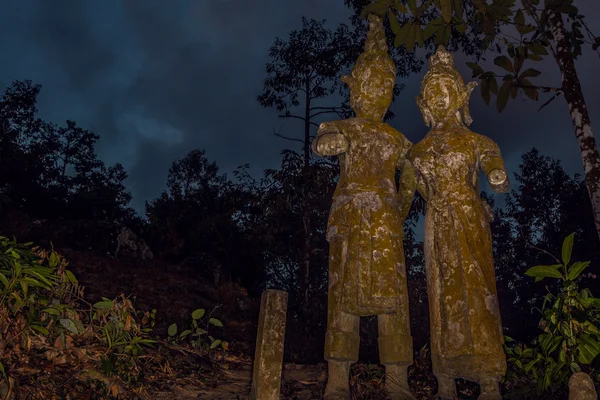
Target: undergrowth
[(55, 345)]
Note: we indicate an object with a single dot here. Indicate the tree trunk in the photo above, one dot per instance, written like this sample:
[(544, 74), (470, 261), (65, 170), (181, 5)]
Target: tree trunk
[(306, 223), (582, 125)]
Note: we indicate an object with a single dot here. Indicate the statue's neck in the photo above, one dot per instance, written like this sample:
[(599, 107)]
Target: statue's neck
[(449, 122), (369, 117)]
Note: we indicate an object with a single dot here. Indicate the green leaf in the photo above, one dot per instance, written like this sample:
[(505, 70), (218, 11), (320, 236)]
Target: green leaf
[(446, 6), (528, 88), (185, 333), (538, 48), (419, 35), (477, 70), (69, 325), (485, 91), (172, 330), (493, 85), (71, 277), (530, 73), (430, 29), (4, 280), (394, 24), (2, 370), (541, 271), (51, 311), (411, 36), (443, 35), (458, 9), (215, 322), (576, 269), (400, 38), (378, 8), (480, 5), (400, 7), (200, 331), (412, 5), (502, 98), (197, 314), (567, 248), (215, 343), (104, 305), (40, 329), (504, 62), (519, 20)]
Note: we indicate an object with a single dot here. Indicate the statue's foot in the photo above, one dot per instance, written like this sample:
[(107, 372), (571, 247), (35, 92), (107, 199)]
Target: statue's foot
[(396, 382), (399, 393), (446, 388), (490, 389), (336, 394), (338, 384)]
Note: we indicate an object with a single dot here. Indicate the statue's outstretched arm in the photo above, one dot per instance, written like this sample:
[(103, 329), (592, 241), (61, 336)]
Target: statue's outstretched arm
[(492, 164), (330, 140)]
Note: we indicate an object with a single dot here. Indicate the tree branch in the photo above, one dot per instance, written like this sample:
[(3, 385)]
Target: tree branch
[(325, 112), (549, 101), (325, 108), (298, 117), (278, 134)]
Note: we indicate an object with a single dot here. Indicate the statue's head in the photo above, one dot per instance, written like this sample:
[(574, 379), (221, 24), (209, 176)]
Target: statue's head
[(444, 94), (373, 76)]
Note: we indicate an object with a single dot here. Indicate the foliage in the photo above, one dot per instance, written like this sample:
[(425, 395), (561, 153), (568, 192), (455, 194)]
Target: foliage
[(570, 340), (44, 326), (308, 67), (197, 334), (59, 173), (493, 25)]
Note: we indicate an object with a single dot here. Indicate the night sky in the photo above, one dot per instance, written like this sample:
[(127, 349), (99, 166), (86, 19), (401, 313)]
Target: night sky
[(156, 81)]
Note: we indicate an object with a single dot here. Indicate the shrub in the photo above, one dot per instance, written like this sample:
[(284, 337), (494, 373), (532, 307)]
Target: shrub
[(570, 338)]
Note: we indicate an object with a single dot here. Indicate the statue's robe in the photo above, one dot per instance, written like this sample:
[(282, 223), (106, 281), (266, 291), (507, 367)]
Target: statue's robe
[(367, 273), (466, 329)]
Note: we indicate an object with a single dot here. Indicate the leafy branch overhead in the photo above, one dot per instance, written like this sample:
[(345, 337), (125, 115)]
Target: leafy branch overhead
[(519, 32)]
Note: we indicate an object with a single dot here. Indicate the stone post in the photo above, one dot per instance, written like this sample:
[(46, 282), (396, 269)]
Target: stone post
[(581, 387), (268, 358)]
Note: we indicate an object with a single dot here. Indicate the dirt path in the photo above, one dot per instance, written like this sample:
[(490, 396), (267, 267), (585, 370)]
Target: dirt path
[(299, 382)]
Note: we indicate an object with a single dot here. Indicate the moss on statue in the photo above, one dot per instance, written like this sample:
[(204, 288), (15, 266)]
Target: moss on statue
[(367, 274), (466, 330)]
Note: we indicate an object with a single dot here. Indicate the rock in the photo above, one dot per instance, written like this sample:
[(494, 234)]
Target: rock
[(581, 387)]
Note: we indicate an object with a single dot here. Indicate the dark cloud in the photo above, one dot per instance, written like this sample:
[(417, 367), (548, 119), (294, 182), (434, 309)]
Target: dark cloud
[(157, 81)]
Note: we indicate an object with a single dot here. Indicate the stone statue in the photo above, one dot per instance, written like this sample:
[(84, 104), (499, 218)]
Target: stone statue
[(367, 274), (466, 331)]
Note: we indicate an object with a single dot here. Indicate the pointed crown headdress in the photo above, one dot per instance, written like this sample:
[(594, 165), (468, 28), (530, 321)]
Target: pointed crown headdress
[(375, 54), (441, 66)]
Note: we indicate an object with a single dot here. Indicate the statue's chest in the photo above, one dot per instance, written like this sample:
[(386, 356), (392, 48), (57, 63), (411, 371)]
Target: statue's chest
[(448, 154), (375, 146)]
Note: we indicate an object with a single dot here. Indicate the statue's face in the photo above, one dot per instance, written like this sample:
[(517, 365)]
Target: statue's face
[(372, 95), (442, 97)]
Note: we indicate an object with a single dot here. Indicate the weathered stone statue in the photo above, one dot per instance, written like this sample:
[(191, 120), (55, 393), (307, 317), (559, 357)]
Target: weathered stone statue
[(466, 331), (366, 266)]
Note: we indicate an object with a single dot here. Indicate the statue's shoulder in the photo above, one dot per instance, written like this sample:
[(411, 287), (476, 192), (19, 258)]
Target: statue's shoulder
[(390, 130), (482, 140)]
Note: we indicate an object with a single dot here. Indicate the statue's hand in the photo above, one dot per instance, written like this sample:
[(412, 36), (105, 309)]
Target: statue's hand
[(499, 181), (331, 142)]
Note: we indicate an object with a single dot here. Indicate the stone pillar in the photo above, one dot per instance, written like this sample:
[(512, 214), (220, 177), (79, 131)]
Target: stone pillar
[(268, 358), (581, 387)]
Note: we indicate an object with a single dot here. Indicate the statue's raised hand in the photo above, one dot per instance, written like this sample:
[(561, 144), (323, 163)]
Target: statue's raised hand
[(499, 181), (330, 141)]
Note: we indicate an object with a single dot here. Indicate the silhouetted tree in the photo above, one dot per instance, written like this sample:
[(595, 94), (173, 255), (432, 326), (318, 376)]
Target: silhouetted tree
[(545, 206)]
